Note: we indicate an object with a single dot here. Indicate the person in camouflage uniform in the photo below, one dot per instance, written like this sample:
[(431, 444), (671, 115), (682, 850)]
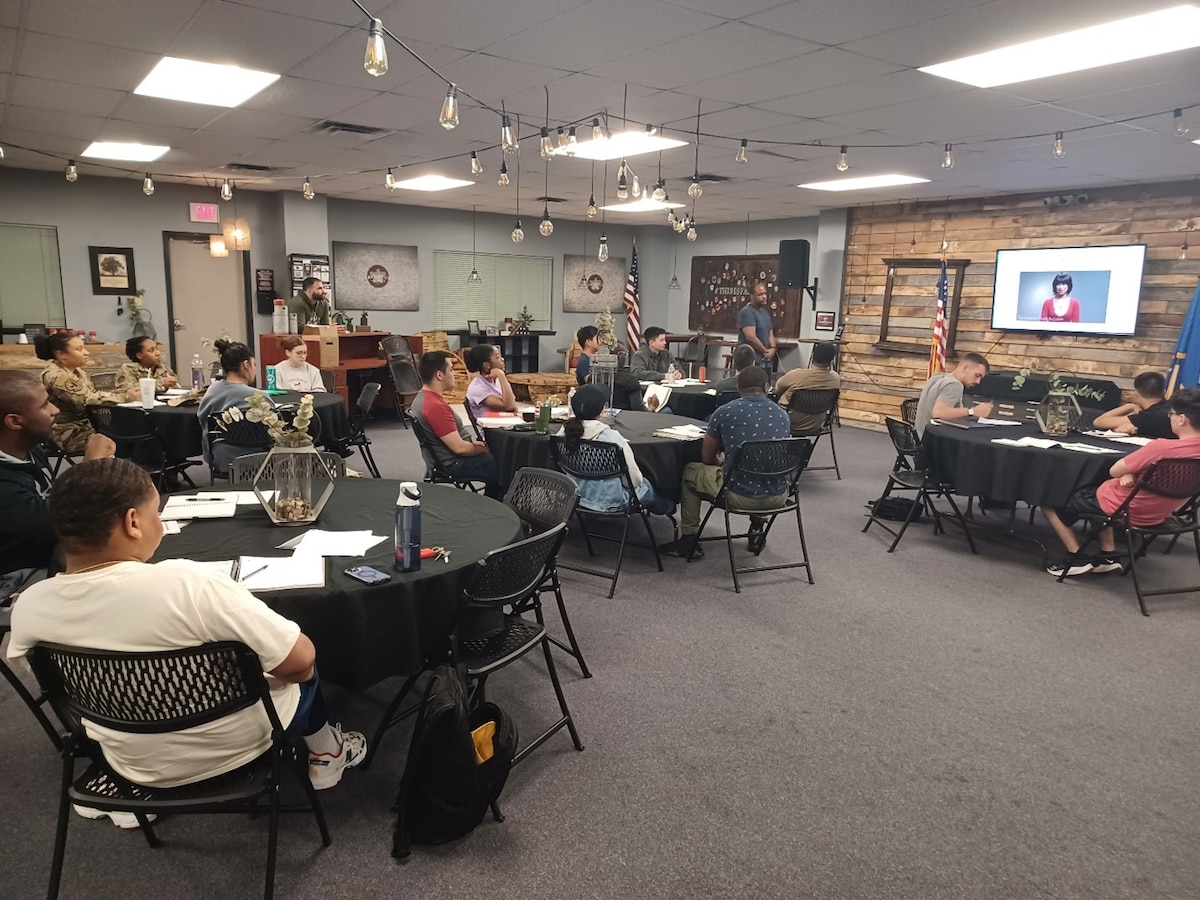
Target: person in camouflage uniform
[(71, 390), (145, 358)]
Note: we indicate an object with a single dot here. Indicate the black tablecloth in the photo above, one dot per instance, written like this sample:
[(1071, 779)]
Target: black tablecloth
[(691, 401), (180, 427), (364, 633), (975, 466), (660, 459), (998, 386)]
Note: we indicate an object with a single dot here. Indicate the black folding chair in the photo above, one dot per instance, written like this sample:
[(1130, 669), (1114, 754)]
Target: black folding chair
[(396, 346), (1175, 478), (160, 693), (364, 409), (599, 461), (724, 397), (782, 461), (244, 435), (138, 440), (474, 421), (435, 472), (405, 383), (908, 410), (36, 704), (60, 456), (543, 499), (817, 402), (324, 465)]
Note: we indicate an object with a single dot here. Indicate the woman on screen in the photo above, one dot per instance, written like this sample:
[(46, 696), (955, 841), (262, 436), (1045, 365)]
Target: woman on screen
[(1062, 307)]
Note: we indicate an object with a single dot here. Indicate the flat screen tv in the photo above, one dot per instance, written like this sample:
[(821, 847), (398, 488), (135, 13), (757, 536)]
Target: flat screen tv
[(1076, 290)]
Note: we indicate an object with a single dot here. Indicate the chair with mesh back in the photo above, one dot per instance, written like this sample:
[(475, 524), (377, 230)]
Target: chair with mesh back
[(396, 346), (324, 465), (59, 456), (823, 403), (246, 436), (1175, 478), (405, 383), (724, 397), (159, 693), (364, 407), (911, 473), (543, 499), (908, 410), (473, 419), (599, 461), (35, 704), (329, 381), (435, 472), (781, 461), (138, 440)]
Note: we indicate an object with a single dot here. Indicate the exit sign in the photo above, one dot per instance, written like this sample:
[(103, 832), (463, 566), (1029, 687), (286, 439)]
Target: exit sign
[(204, 212)]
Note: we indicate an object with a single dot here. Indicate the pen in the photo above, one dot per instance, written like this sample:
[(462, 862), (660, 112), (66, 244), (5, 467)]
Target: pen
[(252, 574), (205, 499)]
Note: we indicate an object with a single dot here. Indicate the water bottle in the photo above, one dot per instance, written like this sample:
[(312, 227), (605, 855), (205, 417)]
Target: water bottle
[(672, 372), (272, 378), (571, 401), (197, 372), (279, 318), (408, 528)]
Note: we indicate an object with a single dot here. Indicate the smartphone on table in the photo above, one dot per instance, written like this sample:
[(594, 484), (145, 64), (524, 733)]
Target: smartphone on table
[(367, 575)]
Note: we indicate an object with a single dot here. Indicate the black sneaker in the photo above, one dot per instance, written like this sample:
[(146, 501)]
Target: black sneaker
[(1079, 568), (683, 548), (1104, 564), (757, 539)]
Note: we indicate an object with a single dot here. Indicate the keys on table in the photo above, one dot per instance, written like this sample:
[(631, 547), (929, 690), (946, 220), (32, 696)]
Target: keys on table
[(432, 553)]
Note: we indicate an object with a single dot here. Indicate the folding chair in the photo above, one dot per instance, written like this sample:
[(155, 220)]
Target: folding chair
[(60, 456), (396, 346), (35, 704), (474, 421), (726, 397), (251, 437), (599, 461), (160, 693), (1175, 478), (364, 407), (908, 410), (435, 472), (779, 460), (405, 382), (910, 473), (818, 402), (138, 440)]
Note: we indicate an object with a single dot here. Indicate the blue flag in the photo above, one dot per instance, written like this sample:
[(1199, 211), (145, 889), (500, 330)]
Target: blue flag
[(1185, 367)]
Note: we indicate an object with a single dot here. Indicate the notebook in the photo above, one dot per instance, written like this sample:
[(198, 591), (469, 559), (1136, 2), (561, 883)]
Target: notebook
[(272, 573), (198, 507)]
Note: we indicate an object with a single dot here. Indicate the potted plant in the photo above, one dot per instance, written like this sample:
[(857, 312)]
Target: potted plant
[(1058, 412)]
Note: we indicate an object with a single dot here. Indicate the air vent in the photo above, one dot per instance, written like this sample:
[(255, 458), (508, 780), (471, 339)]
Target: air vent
[(328, 126), (549, 199), (249, 167), (712, 179)]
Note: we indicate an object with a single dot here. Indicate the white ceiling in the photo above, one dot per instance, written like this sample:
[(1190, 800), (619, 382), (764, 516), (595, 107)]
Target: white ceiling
[(833, 71)]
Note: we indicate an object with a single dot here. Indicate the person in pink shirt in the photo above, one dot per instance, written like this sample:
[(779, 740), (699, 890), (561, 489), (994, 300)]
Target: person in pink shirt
[(1147, 508)]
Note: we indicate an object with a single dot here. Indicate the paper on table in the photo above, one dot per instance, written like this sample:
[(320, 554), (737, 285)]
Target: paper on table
[(174, 392), (170, 526), (1131, 439), (989, 421), (712, 392), (682, 432), (196, 507), (1040, 443), (137, 404), (1088, 448), (678, 382), (333, 543), (282, 573)]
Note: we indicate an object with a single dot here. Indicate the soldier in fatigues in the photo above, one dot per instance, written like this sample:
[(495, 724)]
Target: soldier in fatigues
[(71, 390), (145, 362)]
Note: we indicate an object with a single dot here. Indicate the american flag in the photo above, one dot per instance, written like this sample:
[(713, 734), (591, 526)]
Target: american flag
[(937, 346), (633, 306)]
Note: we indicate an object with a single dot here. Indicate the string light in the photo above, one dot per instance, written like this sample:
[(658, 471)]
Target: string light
[(507, 141), (72, 172), (307, 190), (660, 192), (518, 234), (503, 179), (651, 131), (597, 132), (546, 228), (691, 232), (148, 185), (622, 185), (562, 138), (842, 165), (449, 116), (1059, 150), (694, 189), (591, 207), (476, 165), (375, 60), (572, 142), (227, 190), (389, 180), (473, 278), (741, 154), (636, 190), (546, 149), (602, 255), (948, 159), (1180, 126)]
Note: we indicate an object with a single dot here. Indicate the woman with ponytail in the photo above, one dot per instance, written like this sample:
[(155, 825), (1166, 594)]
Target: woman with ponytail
[(237, 362)]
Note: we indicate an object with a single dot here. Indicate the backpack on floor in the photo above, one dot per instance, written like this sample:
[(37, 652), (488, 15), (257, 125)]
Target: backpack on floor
[(896, 509), (457, 764)]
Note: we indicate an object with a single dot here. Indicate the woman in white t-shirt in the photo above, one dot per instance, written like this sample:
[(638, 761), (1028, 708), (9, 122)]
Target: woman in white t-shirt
[(295, 373)]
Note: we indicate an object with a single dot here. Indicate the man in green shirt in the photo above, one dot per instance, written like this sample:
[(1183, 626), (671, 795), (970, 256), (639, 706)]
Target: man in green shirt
[(310, 306)]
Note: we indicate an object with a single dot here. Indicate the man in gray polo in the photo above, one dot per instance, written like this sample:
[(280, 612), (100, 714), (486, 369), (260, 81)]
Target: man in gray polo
[(755, 326), (942, 396)]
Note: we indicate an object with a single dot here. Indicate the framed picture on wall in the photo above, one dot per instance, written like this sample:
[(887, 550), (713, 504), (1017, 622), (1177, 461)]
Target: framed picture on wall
[(112, 270), (824, 321), (473, 326)]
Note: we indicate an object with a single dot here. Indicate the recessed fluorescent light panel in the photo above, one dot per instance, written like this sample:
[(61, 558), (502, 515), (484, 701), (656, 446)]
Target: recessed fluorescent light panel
[(129, 152), (862, 184), (432, 183), (201, 82), (625, 144), (1137, 37), (642, 204)]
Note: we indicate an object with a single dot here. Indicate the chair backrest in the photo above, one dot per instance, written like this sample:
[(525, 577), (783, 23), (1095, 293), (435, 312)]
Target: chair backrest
[(542, 498), (425, 439), (396, 346), (132, 430), (242, 433), (512, 573), (908, 410), (215, 372), (1179, 478), (324, 465), (329, 381), (152, 693), (474, 421), (404, 375), (724, 397), (588, 459), (813, 401), (778, 459), (365, 404), (104, 381)]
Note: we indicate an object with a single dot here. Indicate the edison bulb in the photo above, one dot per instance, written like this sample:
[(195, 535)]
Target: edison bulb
[(148, 185), (603, 254), (691, 235), (660, 193), (448, 118), (546, 228), (307, 190), (637, 188), (517, 234), (591, 208), (842, 165), (503, 179), (226, 190), (694, 189)]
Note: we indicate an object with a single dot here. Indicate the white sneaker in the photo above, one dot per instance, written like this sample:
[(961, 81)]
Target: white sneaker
[(325, 769), (120, 819)]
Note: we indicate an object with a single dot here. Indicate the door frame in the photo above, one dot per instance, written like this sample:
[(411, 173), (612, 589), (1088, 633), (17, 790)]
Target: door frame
[(196, 237)]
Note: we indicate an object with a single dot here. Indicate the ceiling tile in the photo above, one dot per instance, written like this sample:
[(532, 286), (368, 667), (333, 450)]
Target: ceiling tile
[(61, 97), (83, 128), (320, 10), (869, 93), (62, 59), (134, 108), (467, 25), (8, 44), (303, 97), (482, 75), (253, 123), (836, 22), (742, 9), (395, 111), (146, 25), (819, 69)]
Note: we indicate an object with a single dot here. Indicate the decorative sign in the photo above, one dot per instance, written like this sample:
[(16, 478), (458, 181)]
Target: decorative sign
[(376, 276), (721, 286), (204, 212), (590, 285), (824, 321)]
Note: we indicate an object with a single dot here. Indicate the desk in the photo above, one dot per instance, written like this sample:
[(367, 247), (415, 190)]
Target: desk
[(366, 633), (692, 402), (976, 467), (660, 459)]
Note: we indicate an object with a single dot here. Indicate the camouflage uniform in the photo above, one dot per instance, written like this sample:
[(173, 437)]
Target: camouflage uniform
[(131, 373), (71, 391)]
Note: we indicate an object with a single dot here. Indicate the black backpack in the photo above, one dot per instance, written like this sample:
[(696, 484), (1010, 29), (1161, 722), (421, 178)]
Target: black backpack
[(445, 792), (897, 509)]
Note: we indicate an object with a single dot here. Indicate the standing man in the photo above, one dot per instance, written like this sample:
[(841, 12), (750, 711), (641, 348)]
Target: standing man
[(310, 306), (652, 360), (755, 326), (819, 376), (489, 389), (942, 395)]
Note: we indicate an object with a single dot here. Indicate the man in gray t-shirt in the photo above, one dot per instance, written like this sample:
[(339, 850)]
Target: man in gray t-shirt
[(942, 395)]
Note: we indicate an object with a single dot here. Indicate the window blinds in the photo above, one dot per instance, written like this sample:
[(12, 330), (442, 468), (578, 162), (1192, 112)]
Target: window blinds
[(509, 282), (31, 290)]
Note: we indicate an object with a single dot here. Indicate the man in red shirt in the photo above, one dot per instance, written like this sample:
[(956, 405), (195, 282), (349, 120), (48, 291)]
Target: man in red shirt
[(1146, 508), (452, 445)]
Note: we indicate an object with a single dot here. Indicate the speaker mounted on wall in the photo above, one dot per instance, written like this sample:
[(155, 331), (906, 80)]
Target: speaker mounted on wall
[(793, 267)]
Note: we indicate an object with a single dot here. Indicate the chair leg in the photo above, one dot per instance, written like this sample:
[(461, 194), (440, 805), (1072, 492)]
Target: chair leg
[(388, 719), (369, 459), (1137, 587), (621, 556), (963, 522), (887, 492), (737, 588), (587, 538), (918, 503), (804, 544), (60, 834), (833, 450), (653, 542), (300, 764), (566, 621), (272, 832), (562, 700)]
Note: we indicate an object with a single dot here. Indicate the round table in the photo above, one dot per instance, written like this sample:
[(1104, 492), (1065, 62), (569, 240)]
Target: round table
[(976, 467), (180, 427), (660, 459), (365, 633), (692, 401)]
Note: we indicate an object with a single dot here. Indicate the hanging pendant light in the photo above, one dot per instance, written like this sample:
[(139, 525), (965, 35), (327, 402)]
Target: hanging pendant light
[(636, 190), (660, 192), (603, 254), (307, 191), (572, 142), (948, 158), (148, 185), (546, 146), (216, 246), (694, 189), (622, 184), (691, 232), (503, 179), (449, 115), (842, 164), (227, 190), (674, 284), (741, 154), (518, 233), (1181, 127), (597, 131), (508, 141), (1060, 149), (562, 138), (375, 60), (546, 228), (473, 278), (72, 174), (476, 165), (389, 180), (591, 207)]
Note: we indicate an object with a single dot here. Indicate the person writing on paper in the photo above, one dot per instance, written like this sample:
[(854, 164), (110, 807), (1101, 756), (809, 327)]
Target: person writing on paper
[(755, 326), (295, 372), (819, 376), (1146, 508), (26, 538), (71, 390), (309, 306), (653, 361), (489, 389), (1061, 307), (236, 389), (1149, 415), (627, 392), (942, 395), (145, 361), (105, 512)]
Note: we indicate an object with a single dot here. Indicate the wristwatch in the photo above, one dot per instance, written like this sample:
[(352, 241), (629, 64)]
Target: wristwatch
[(971, 410)]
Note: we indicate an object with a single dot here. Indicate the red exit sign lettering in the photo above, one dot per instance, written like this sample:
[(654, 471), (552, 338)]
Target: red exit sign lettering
[(204, 212)]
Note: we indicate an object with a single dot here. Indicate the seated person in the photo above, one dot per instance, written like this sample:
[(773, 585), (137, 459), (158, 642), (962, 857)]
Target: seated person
[(819, 376), (942, 395), (1146, 508), (26, 539), (609, 494), (652, 360), (236, 389), (752, 417), (1149, 415), (145, 361), (71, 389), (627, 392), (453, 446), (489, 389), (105, 512), (743, 358), (295, 372)]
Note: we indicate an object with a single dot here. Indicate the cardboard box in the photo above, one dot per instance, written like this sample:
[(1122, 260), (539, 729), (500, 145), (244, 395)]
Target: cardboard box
[(322, 343)]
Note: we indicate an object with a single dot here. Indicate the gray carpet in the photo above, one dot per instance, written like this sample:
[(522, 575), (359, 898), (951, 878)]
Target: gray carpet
[(925, 724)]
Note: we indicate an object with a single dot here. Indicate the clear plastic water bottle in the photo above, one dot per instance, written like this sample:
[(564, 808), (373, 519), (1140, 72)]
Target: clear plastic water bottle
[(408, 528), (672, 372), (571, 401), (197, 372)]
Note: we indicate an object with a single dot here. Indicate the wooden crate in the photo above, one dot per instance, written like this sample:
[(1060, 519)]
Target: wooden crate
[(532, 387)]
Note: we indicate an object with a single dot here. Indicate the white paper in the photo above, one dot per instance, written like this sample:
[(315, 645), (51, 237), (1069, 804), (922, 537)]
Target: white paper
[(712, 392), (137, 404), (1132, 439), (500, 421), (987, 421), (174, 392), (263, 573), (171, 526), (659, 392), (333, 543), (682, 432), (1088, 448), (1027, 441), (197, 507)]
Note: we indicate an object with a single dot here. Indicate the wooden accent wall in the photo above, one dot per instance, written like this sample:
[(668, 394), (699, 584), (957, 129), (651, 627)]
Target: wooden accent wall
[(875, 381)]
